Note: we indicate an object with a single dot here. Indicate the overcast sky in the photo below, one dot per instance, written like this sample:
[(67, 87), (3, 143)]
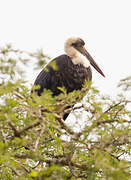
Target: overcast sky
[(105, 26)]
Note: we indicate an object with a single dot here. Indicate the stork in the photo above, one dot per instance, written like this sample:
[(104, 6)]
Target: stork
[(69, 70)]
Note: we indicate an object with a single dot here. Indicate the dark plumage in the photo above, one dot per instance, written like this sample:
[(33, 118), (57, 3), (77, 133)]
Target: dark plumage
[(61, 72)]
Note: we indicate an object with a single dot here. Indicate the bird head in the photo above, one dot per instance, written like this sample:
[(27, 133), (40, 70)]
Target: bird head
[(75, 46)]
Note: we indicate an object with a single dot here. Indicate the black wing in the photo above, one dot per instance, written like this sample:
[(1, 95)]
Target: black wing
[(46, 77), (43, 79)]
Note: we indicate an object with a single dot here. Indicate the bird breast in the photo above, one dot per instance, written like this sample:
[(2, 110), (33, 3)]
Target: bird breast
[(81, 59), (72, 76)]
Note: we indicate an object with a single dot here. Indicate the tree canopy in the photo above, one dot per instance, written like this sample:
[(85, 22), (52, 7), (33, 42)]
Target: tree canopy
[(36, 143)]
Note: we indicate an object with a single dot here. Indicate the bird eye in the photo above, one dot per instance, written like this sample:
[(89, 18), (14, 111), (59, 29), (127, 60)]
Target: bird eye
[(77, 44), (73, 44)]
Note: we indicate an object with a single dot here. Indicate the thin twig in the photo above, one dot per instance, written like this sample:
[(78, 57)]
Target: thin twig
[(67, 128), (30, 126), (16, 133), (38, 139)]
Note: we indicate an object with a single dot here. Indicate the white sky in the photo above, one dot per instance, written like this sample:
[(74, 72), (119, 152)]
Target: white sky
[(105, 26)]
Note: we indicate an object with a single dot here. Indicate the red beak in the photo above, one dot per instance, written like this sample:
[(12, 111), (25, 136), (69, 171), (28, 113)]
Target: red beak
[(93, 63)]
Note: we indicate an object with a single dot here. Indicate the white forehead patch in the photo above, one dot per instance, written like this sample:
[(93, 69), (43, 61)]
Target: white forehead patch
[(81, 59)]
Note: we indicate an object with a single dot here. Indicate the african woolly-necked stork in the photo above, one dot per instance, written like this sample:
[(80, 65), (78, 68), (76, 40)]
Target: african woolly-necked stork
[(69, 70)]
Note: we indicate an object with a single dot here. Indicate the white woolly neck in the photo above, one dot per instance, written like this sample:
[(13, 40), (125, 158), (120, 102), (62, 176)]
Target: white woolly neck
[(76, 56), (81, 59)]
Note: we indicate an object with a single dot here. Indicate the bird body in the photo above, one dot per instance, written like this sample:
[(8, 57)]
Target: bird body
[(62, 72), (69, 70)]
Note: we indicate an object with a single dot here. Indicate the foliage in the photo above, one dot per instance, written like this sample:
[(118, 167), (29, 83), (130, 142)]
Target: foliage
[(35, 142), (125, 83)]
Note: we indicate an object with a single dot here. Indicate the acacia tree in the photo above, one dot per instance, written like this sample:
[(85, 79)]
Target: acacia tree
[(36, 143)]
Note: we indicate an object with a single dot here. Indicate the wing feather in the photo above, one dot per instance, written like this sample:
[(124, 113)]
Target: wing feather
[(45, 77)]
